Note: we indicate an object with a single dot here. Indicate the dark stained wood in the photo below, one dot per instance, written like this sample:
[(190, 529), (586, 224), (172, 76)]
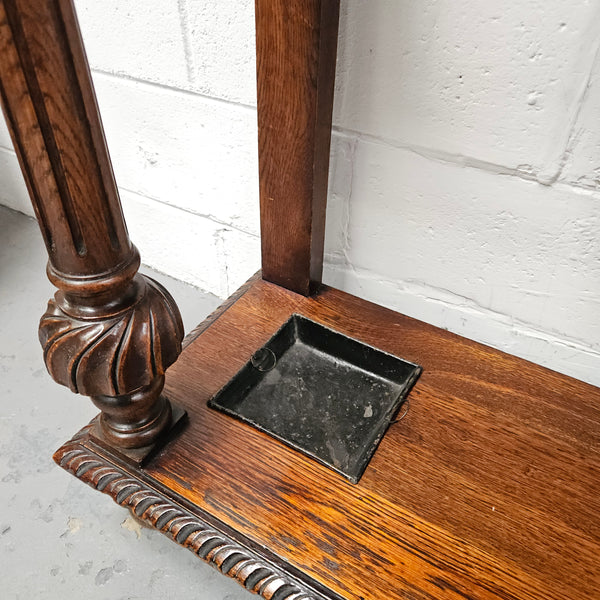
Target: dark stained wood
[(296, 45), (489, 488), (109, 332)]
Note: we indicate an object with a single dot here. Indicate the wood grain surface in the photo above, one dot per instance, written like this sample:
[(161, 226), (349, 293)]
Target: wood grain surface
[(487, 489), (296, 45), (99, 467)]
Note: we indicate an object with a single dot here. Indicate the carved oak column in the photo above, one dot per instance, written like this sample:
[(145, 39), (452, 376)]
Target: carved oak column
[(109, 332)]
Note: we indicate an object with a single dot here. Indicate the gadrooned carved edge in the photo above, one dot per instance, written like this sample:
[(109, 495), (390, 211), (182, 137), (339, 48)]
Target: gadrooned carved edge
[(213, 547)]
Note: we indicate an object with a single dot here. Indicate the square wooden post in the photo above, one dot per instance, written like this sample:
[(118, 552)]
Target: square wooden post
[(296, 45)]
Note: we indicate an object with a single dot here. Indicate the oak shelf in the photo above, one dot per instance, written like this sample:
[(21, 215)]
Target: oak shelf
[(487, 489)]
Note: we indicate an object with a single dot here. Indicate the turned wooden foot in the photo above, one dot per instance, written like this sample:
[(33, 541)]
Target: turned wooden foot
[(117, 354)]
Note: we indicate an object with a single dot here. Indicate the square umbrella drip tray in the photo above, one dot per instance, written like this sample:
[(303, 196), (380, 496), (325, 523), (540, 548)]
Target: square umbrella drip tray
[(320, 392)]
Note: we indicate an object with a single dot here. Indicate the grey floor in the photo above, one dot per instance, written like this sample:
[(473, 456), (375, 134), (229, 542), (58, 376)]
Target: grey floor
[(59, 538)]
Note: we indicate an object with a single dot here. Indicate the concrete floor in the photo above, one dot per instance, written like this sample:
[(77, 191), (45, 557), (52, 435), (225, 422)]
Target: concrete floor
[(59, 538)]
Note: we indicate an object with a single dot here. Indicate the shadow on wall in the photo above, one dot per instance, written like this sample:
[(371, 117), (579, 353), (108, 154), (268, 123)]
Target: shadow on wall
[(13, 192)]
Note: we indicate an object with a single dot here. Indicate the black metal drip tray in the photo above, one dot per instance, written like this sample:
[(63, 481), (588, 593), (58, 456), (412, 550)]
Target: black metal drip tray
[(321, 392)]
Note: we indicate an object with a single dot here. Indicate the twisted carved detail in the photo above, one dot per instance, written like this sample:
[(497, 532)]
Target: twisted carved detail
[(115, 347), (213, 547), (117, 354)]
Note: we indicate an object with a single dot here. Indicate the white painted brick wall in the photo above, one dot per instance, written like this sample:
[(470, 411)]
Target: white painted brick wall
[(465, 174), (140, 40), (490, 82)]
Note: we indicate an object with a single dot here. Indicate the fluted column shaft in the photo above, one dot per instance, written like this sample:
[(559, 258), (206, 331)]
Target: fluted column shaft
[(109, 332)]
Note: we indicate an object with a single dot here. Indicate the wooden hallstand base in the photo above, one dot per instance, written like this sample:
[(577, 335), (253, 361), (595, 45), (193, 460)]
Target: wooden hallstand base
[(488, 488)]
